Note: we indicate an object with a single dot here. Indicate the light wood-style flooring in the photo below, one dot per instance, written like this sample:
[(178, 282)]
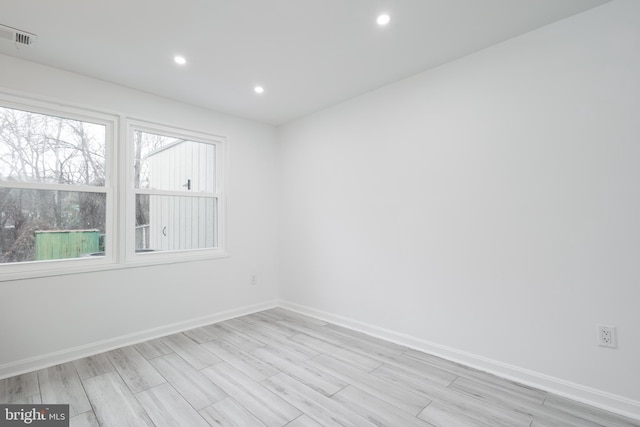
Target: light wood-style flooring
[(279, 368)]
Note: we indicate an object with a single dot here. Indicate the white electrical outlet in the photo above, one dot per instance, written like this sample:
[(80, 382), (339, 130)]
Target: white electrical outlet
[(607, 336), (254, 280)]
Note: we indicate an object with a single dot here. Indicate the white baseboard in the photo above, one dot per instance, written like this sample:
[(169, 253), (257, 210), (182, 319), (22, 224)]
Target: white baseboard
[(600, 399), (68, 355)]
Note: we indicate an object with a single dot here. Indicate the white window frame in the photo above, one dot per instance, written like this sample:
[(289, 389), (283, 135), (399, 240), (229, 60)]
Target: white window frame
[(120, 194), (27, 269), (162, 257)]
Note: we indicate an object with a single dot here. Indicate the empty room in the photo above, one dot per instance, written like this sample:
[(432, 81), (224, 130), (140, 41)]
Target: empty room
[(320, 212)]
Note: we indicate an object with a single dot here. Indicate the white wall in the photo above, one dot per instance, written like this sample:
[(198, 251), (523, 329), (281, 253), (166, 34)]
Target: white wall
[(487, 210), (80, 313)]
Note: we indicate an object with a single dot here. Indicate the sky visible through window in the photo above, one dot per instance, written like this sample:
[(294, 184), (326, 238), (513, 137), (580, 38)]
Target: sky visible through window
[(42, 150)]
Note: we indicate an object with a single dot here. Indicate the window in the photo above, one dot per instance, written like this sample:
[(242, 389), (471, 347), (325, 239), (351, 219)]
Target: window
[(55, 193), (176, 191), (64, 207)]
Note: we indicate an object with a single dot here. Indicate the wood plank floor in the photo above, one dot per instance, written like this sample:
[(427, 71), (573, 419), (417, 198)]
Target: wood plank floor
[(279, 368)]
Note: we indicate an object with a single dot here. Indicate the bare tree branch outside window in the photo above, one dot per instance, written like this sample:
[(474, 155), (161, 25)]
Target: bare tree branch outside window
[(43, 149)]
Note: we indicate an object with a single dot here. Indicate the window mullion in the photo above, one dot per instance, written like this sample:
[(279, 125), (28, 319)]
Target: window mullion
[(50, 186), (152, 192)]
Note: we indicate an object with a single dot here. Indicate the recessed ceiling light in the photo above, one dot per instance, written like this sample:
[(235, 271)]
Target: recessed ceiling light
[(383, 19), (180, 60), (258, 89)]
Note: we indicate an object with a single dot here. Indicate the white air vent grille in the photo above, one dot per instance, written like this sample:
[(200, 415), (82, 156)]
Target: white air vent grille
[(24, 38), (19, 37)]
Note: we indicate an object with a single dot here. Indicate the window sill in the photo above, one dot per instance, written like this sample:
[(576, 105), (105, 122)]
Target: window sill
[(70, 267)]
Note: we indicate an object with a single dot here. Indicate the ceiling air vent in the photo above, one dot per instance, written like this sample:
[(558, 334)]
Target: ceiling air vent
[(19, 37)]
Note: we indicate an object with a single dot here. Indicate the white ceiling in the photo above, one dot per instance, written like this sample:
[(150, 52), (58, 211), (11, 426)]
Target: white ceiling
[(308, 54)]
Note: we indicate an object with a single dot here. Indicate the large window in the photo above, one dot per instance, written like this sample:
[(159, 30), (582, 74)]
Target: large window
[(176, 190), (54, 191), (75, 197)]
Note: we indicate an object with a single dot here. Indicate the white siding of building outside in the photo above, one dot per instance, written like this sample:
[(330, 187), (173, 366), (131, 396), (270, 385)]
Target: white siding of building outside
[(176, 222)]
